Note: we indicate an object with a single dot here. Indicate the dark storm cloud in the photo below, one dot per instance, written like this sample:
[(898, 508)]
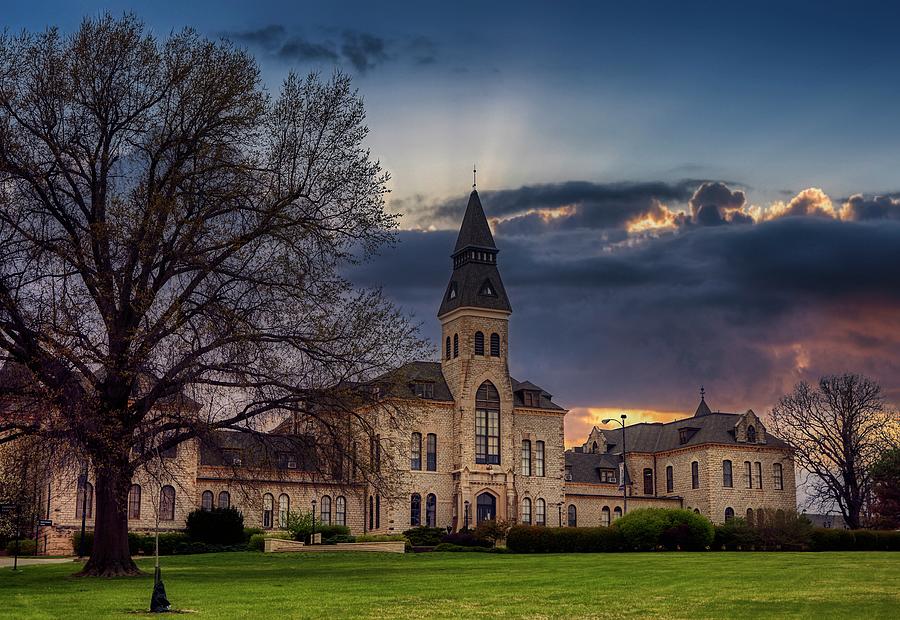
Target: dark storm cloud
[(717, 194), (364, 51), (859, 207)]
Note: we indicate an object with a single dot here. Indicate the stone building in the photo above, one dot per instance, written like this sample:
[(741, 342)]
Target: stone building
[(476, 444)]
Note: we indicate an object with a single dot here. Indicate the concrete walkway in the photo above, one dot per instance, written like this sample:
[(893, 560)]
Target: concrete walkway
[(7, 561)]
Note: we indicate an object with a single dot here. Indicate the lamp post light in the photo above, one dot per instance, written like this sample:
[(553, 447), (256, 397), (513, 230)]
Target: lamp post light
[(624, 491), (466, 515), (312, 536)]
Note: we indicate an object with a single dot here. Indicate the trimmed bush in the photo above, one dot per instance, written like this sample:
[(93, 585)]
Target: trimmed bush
[(425, 536), (257, 542), (219, 526), (466, 538), (340, 538), (250, 531), (460, 548), (535, 539), (169, 543), (88, 542), (26, 547), (492, 530), (822, 539), (736, 535), (330, 531), (648, 529), (381, 538), (784, 531)]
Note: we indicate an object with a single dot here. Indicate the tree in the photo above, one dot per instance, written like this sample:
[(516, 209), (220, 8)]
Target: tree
[(836, 430), (172, 240), (886, 478)]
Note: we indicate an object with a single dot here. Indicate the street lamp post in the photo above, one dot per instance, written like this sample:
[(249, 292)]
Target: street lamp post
[(624, 491), (82, 481), (312, 536)]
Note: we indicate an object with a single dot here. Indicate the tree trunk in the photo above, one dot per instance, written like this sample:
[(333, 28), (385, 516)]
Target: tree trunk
[(110, 556)]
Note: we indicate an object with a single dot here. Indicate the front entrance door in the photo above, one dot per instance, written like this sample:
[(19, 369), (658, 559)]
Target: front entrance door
[(486, 507)]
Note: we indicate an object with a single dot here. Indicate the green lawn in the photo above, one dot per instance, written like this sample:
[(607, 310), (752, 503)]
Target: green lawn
[(453, 585)]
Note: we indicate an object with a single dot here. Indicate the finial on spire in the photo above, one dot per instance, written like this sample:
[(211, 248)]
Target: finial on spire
[(473, 176), (702, 393)]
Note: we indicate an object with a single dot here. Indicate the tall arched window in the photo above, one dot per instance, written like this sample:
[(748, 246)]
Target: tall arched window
[(431, 510), (84, 499), (447, 352), (284, 509), (415, 510), (371, 512), (325, 510), (648, 481), (757, 474), (727, 480), (415, 458), (539, 458), (377, 512), (455, 345), (751, 434), (595, 448), (487, 424), (495, 345), (617, 512), (431, 452), (340, 510), (268, 510), (526, 457), (748, 475), (224, 499), (206, 501), (167, 503), (134, 502), (729, 513), (526, 511), (540, 512), (749, 516), (695, 475), (573, 516), (778, 476), (479, 343), (604, 517), (670, 479)]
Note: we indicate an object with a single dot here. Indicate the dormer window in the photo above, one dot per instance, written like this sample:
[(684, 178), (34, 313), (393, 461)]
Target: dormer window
[(685, 434), (487, 289), (751, 434), (424, 389), (451, 294), (531, 398), (608, 475)]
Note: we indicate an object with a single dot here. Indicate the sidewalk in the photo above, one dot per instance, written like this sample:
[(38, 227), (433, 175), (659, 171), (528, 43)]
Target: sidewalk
[(7, 561)]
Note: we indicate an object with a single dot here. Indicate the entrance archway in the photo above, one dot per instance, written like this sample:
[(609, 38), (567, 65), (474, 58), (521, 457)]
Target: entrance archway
[(486, 507)]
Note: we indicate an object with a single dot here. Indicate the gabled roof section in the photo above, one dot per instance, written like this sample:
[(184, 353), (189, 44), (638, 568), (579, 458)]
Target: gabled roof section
[(702, 408), (400, 382), (546, 399), (474, 231)]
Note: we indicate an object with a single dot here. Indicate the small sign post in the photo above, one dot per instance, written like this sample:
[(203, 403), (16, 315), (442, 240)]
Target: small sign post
[(45, 522)]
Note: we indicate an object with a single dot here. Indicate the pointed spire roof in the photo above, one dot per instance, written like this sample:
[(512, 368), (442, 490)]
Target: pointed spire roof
[(474, 231), (702, 408)]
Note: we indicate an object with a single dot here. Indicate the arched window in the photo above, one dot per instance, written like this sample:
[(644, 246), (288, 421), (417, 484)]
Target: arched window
[(778, 476), (670, 479), (539, 458), (757, 475), (377, 512), (224, 499), (648, 481), (167, 503), (727, 480), (268, 510), (573, 516), (284, 509), (447, 352), (748, 475), (84, 500), (729, 513), (431, 452), (487, 424), (540, 512), (371, 512), (431, 510), (697, 510), (325, 510), (495, 345), (595, 448), (415, 510), (751, 434), (340, 510), (526, 511), (479, 343), (134, 502), (206, 501), (617, 512), (695, 475), (526, 457), (455, 345), (604, 516), (415, 458), (749, 516)]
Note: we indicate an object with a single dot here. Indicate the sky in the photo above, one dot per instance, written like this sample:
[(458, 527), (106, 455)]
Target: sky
[(683, 194)]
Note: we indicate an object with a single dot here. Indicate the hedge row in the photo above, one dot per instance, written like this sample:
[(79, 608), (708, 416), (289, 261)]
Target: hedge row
[(170, 543), (536, 539), (822, 539)]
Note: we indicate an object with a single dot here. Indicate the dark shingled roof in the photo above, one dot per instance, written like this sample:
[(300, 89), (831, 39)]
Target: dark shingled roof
[(546, 402), (659, 437), (258, 449), (702, 409), (469, 276), (586, 466), (400, 381)]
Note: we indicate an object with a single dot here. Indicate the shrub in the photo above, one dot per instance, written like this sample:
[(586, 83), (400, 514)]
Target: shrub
[(466, 538), (425, 536), (257, 542), (26, 547), (784, 531), (735, 535), (88, 542), (535, 539), (168, 543), (219, 526), (492, 530), (822, 539), (461, 548), (330, 531), (647, 529), (250, 531), (299, 524), (340, 538), (381, 538)]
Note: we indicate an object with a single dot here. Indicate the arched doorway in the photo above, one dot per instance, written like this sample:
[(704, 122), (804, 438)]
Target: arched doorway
[(486, 507)]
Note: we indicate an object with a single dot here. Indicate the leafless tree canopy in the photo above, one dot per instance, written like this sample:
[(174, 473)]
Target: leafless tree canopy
[(837, 429), (168, 229)]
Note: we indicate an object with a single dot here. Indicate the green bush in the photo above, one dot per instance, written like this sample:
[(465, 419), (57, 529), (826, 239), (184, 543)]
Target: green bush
[(381, 538), (425, 536), (299, 524), (784, 531), (822, 539), (462, 548), (648, 529), (340, 538), (257, 542), (736, 535), (250, 531), (88, 542), (26, 547), (535, 539), (169, 543), (218, 526), (492, 530), (330, 531)]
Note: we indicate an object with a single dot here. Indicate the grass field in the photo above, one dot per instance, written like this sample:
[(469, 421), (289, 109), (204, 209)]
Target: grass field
[(454, 585)]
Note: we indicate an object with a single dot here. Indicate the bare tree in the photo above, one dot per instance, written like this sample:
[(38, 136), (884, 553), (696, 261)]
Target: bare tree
[(837, 430), (172, 239)]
